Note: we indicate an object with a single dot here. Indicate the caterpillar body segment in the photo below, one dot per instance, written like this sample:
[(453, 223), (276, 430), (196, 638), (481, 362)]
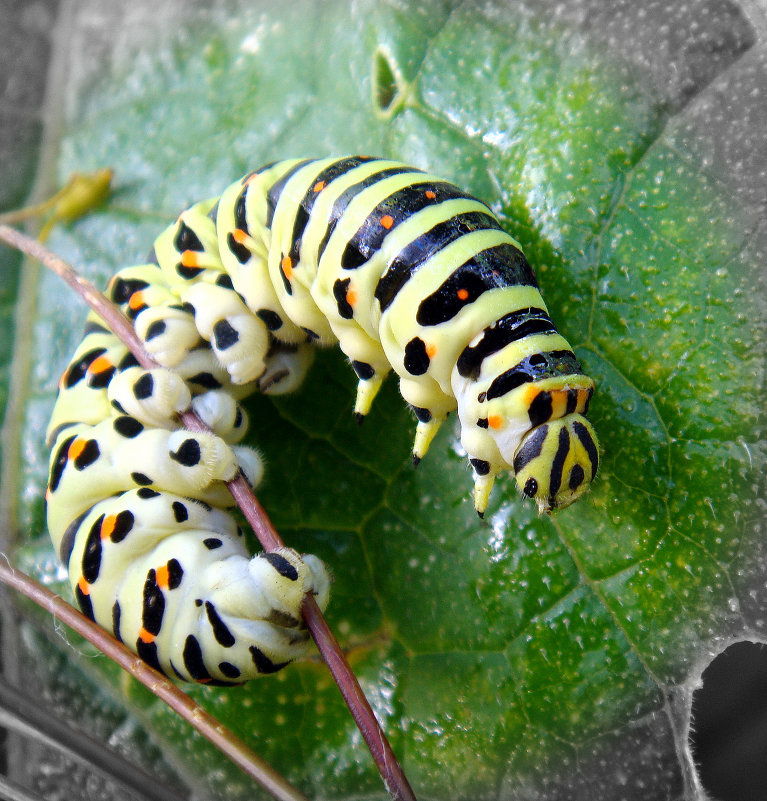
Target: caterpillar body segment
[(189, 599), (407, 273)]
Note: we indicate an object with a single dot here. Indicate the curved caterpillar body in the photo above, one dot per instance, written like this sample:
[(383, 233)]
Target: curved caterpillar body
[(407, 273)]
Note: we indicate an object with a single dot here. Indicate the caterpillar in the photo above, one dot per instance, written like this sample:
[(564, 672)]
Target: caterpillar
[(406, 272)]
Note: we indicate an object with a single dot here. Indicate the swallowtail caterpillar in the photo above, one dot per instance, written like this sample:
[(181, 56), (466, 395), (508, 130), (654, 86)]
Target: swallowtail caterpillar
[(406, 272)]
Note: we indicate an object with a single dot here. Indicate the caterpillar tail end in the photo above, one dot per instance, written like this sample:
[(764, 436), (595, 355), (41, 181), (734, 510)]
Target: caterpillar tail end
[(424, 434), (483, 485), (367, 389)]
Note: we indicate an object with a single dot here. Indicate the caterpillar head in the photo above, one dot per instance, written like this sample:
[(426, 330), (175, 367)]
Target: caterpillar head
[(537, 429), (557, 461)]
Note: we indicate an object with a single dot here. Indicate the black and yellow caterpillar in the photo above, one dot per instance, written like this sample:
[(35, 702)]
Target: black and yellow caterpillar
[(407, 273)]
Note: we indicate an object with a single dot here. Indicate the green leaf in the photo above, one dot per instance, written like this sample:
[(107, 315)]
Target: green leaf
[(496, 654)]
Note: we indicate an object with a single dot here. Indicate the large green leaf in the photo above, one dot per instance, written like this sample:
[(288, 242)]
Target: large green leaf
[(496, 654)]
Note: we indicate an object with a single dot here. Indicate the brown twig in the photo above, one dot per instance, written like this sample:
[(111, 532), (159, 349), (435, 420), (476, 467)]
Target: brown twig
[(391, 772)]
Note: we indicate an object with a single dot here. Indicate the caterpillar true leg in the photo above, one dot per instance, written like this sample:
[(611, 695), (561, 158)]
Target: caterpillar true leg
[(425, 432), (367, 389)]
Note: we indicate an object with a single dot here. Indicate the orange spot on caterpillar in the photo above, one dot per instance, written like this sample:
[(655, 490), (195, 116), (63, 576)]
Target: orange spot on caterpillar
[(108, 526), (531, 393), (318, 187), (387, 221), (136, 300), (83, 586), (48, 494), (239, 236), (495, 421), (431, 351), (100, 364), (351, 297), (558, 403), (431, 194), (190, 258), (145, 636), (75, 449), (463, 294), (163, 577), (287, 266)]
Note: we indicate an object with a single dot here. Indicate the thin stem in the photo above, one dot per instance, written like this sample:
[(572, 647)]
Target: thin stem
[(391, 772), (79, 195), (180, 702), (27, 213)]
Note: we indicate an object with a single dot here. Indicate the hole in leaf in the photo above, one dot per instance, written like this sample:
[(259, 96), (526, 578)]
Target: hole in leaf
[(387, 92), (729, 724)]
